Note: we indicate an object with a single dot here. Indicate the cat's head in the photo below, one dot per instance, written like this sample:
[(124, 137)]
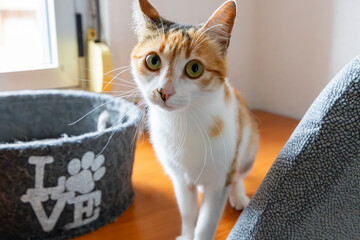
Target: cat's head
[(173, 64)]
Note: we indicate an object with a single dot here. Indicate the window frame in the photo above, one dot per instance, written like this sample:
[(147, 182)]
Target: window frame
[(64, 72)]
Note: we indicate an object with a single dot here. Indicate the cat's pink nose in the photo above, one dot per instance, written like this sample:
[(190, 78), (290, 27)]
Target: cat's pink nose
[(166, 92)]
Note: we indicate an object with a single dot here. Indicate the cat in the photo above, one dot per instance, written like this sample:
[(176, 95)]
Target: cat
[(201, 129)]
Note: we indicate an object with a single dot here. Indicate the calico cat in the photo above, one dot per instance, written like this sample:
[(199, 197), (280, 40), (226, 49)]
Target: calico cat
[(202, 131)]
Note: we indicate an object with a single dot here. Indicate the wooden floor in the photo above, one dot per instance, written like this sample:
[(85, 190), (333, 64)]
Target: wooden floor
[(154, 214)]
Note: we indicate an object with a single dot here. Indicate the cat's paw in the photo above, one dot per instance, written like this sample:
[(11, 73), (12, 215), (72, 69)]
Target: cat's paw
[(239, 202), (184, 238), (84, 173)]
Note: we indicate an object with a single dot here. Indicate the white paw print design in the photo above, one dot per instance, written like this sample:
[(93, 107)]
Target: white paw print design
[(84, 173)]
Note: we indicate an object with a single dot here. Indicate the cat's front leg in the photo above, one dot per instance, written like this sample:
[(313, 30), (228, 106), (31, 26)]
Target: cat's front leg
[(212, 206), (186, 196)]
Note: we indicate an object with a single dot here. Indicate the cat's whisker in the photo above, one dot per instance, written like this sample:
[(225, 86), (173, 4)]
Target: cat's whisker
[(157, 29), (184, 135), (180, 127), (113, 70), (116, 69), (217, 25), (107, 73), (118, 122), (141, 103), (199, 44), (208, 139), (125, 81), (162, 26), (115, 91), (221, 135), (142, 117), (136, 92), (127, 96), (205, 157), (192, 41), (143, 111), (118, 80), (132, 145), (107, 144), (116, 84), (93, 110), (87, 114), (116, 77)]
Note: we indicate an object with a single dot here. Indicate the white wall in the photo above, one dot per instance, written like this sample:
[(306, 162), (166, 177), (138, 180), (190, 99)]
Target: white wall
[(282, 52), (345, 42), (292, 54), (300, 46)]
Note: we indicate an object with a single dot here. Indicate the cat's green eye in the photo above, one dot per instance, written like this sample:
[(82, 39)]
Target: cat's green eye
[(194, 69), (153, 62)]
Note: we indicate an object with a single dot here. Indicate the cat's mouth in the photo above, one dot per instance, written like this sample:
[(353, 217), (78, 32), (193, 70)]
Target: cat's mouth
[(169, 104), (166, 106)]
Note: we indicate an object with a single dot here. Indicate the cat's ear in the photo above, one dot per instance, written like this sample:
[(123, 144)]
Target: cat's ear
[(146, 17), (220, 24)]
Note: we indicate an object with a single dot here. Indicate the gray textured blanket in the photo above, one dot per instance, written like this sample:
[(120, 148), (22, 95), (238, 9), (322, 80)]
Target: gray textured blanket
[(313, 189)]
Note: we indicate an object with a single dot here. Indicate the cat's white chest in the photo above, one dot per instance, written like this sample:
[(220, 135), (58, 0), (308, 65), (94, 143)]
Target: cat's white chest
[(185, 146)]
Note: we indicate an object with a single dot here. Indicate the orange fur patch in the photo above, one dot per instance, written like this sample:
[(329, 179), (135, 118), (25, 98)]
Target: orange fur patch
[(176, 43), (230, 177), (217, 127), (241, 117), (227, 94), (163, 43), (170, 71), (241, 101), (204, 82), (254, 141), (141, 69), (244, 116), (136, 56)]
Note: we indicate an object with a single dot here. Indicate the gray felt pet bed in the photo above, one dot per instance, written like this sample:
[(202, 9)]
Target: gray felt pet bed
[(58, 181), (313, 189)]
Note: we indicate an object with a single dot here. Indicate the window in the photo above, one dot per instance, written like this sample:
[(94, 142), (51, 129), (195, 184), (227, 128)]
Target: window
[(38, 47)]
